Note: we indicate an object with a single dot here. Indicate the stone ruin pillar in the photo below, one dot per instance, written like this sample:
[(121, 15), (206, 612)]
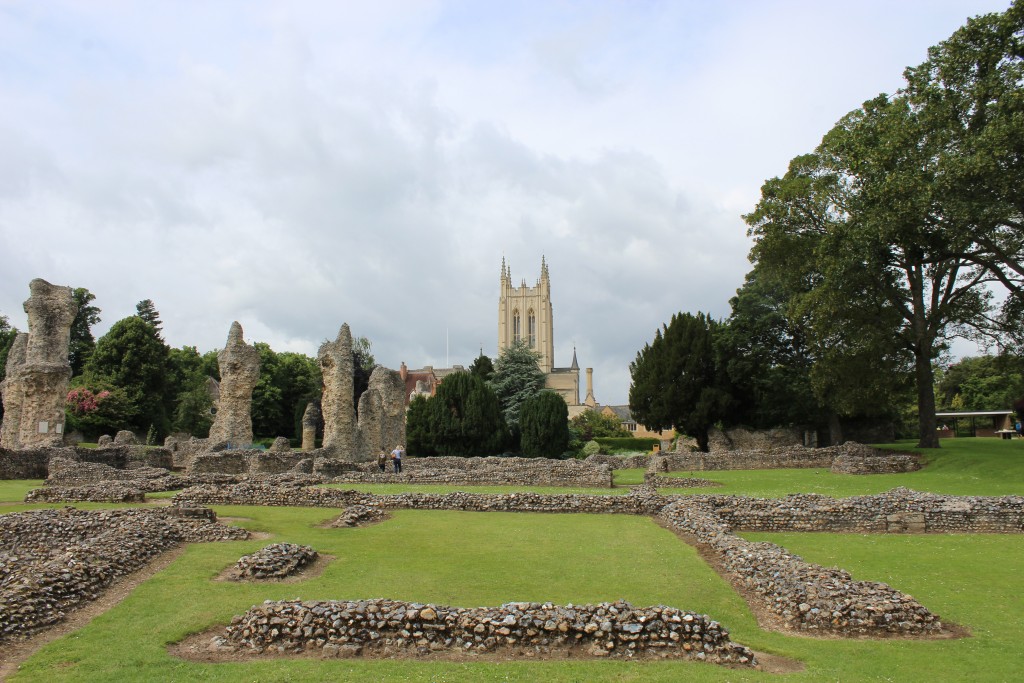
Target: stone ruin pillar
[(13, 392), (310, 420), (36, 385), (381, 413), (239, 372), (339, 413)]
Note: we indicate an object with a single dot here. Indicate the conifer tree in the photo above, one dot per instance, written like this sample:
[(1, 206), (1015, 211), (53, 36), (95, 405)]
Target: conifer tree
[(544, 426)]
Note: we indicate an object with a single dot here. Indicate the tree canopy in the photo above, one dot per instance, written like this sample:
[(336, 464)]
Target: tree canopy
[(544, 426), (680, 381), (462, 419), (517, 377), (131, 356), (889, 248), (82, 341), (146, 310)]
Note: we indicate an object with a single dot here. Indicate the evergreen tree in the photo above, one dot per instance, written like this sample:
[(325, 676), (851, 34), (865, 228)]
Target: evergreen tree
[(463, 418), (482, 367), (679, 380), (544, 423), (82, 341), (146, 310), (132, 357), (517, 377), (418, 433)]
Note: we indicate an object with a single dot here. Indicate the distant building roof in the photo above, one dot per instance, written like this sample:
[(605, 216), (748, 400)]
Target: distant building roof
[(621, 412), (974, 413)]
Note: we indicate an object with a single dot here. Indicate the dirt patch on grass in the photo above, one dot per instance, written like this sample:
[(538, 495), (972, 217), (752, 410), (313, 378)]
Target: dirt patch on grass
[(310, 571), (14, 652), (199, 648), (770, 621)]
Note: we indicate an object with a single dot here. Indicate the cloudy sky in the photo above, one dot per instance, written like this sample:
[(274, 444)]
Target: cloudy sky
[(296, 165)]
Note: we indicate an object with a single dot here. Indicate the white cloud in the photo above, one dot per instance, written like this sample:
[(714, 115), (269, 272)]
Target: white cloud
[(293, 166)]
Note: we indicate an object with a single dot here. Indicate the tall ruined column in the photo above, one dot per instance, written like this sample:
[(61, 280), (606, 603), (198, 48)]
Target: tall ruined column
[(339, 413), (43, 378), (13, 392), (310, 420), (239, 372), (381, 413)]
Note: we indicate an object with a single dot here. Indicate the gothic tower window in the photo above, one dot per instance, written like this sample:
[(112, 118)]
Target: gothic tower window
[(517, 331), (531, 328)]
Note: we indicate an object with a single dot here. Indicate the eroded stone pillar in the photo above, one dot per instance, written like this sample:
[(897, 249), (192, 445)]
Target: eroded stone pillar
[(310, 420), (239, 372), (381, 413), (338, 407), (42, 379)]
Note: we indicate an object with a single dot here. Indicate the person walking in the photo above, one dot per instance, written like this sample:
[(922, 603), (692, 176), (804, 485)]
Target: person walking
[(396, 459), (382, 460)]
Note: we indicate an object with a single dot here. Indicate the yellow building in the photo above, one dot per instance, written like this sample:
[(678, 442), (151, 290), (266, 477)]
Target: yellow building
[(525, 313)]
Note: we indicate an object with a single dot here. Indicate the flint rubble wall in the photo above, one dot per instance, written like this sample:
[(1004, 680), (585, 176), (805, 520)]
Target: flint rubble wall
[(337, 628), (807, 597), (55, 560)]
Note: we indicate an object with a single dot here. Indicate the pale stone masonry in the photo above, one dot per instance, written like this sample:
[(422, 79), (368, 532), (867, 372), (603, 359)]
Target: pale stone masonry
[(36, 384), (336, 365), (310, 420), (239, 372)]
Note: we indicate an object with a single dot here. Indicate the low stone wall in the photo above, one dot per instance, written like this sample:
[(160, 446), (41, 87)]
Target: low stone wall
[(55, 560), (620, 462), (659, 482), (337, 628), (895, 511), (245, 462), (255, 493), (743, 439), (791, 457), (275, 561), (24, 464), (876, 464), (102, 492), (805, 596), (492, 471)]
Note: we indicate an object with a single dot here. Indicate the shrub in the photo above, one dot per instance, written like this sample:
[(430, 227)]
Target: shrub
[(630, 444), (591, 448), (544, 421)]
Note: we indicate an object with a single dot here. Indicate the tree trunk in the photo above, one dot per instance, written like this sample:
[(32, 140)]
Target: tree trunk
[(929, 436), (702, 440)]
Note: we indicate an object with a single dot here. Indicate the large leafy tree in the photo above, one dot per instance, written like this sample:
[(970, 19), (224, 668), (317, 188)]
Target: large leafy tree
[(971, 91), (592, 423), (189, 384), (982, 383), (517, 377), (680, 381), (132, 357), (909, 212), (288, 381), (544, 425), (82, 341)]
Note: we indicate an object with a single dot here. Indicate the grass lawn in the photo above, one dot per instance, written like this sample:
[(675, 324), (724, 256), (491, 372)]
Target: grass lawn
[(967, 467), (476, 559)]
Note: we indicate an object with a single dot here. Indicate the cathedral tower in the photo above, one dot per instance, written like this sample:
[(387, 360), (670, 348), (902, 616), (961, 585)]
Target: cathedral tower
[(525, 313)]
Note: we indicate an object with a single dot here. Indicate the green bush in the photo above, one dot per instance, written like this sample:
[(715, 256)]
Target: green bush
[(630, 444), (591, 448)]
